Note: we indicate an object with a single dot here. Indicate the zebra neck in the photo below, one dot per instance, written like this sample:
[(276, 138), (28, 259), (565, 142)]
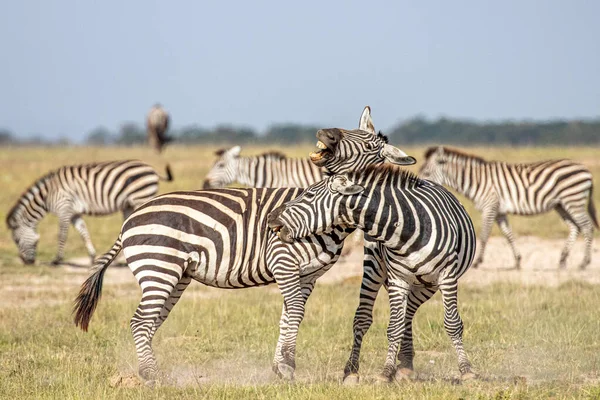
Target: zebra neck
[(247, 174), (32, 206), (465, 176), (260, 172)]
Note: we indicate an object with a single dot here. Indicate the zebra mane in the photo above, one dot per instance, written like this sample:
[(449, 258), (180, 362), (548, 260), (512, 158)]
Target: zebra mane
[(383, 137), (380, 172), (453, 152), (19, 204), (277, 155)]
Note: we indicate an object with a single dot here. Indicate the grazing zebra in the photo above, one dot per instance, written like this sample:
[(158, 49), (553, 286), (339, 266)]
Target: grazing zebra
[(426, 239), (270, 169), (72, 191), (157, 123), (220, 237), (498, 188)]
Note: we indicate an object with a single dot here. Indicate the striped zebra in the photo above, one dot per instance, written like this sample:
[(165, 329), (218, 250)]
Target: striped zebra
[(72, 191), (426, 242), (498, 188), (220, 237), (359, 148), (272, 169)]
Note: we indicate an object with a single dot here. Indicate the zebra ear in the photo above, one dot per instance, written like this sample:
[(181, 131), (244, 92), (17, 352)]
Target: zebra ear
[(234, 151), (366, 123), (341, 184), (397, 156)]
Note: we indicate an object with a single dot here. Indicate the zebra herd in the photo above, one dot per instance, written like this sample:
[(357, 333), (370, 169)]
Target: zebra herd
[(289, 228)]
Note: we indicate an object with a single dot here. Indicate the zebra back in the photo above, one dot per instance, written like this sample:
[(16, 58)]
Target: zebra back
[(267, 170), (522, 188), (92, 189)]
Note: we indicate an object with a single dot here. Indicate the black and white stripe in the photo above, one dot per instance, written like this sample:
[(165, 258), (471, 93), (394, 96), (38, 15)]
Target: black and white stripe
[(499, 188), (424, 237), (271, 169), (76, 190), (220, 238)]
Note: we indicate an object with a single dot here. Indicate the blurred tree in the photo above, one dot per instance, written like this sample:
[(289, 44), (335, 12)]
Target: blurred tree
[(100, 136), (6, 137), (130, 133)]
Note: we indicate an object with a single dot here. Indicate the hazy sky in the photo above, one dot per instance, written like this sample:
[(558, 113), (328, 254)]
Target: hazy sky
[(67, 67)]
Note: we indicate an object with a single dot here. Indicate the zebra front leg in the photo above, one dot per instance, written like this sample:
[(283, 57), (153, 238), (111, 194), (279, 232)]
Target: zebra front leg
[(289, 285), (63, 230), (502, 222), (398, 292), (454, 326), (373, 278), (488, 216), (416, 297), (306, 289), (588, 235), (283, 323), (81, 227)]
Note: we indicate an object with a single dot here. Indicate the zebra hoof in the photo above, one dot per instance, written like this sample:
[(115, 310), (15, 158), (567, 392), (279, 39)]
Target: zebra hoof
[(583, 265), (468, 376), (285, 372), (382, 379), (351, 379), (404, 374), (150, 384), (56, 262)]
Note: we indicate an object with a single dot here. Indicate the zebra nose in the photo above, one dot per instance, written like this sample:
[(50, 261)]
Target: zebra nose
[(206, 185)]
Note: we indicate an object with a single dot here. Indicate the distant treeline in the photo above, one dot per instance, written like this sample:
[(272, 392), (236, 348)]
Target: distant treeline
[(417, 130)]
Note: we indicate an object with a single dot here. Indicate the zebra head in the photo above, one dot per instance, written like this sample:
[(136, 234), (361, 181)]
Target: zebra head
[(225, 169), (319, 207), (342, 151), (436, 166), (25, 237)]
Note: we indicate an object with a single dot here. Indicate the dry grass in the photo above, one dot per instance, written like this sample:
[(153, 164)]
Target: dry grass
[(526, 342)]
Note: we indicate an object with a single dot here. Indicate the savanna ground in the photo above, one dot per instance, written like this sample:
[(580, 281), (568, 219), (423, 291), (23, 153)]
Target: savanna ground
[(530, 334)]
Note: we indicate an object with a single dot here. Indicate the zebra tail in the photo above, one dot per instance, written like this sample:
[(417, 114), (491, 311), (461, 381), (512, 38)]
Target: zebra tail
[(592, 208), (169, 176), (91, 290)]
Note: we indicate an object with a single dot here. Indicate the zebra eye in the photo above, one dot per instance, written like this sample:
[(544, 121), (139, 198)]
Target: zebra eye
[(441, 161)]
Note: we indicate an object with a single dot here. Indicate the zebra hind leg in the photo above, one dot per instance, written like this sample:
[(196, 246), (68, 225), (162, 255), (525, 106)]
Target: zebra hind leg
[(567, 216), (454, 326), (398, 290), (81, 227), (155, 305), (416, 297), (373, 279)]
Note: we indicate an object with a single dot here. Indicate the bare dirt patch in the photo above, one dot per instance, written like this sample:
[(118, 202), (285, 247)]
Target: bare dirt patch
[(539, 265)]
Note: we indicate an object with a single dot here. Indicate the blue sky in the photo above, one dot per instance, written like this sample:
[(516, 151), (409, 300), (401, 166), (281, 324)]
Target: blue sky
[(70, 66)]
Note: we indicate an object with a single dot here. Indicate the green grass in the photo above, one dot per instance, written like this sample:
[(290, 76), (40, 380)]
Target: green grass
[(21, 167), (524, 342), (219, 344)]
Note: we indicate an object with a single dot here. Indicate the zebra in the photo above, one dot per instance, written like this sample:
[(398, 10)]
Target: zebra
[(271, 169), (220, 238), (75, 190), (230, 246), (339, 151), (499, 188), (427, 242)]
